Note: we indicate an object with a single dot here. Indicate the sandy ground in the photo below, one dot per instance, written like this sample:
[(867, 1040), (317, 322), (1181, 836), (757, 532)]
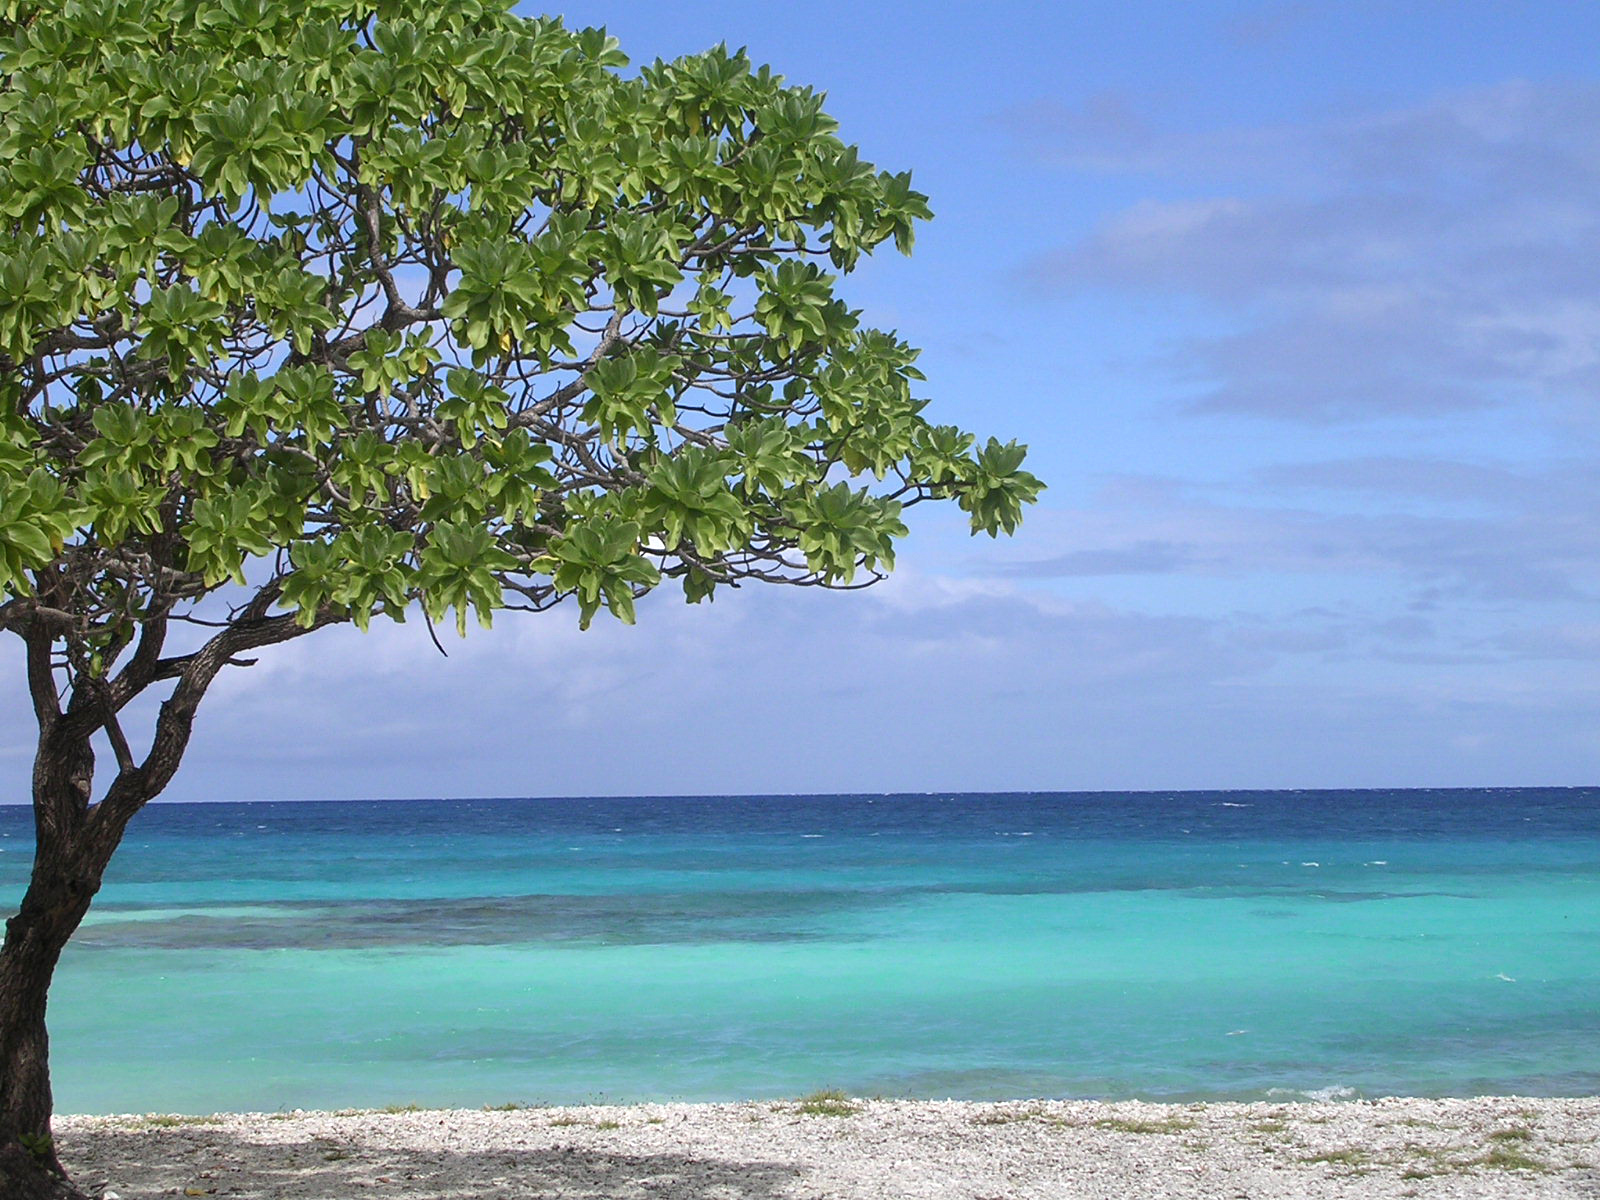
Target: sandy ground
[(888, 1149)]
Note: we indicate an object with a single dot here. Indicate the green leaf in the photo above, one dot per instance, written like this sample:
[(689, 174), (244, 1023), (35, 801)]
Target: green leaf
[(437, 305)]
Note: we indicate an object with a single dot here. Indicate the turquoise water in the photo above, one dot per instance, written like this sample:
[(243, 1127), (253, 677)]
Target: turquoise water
[(1197, 945)]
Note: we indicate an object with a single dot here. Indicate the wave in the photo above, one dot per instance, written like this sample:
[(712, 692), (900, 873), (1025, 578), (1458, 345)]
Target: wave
[(1319, 1095)]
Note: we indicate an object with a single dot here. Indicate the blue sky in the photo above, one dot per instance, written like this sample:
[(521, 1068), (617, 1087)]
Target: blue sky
[(1295, 304)]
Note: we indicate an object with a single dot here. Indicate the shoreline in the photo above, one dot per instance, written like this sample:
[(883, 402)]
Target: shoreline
[(831, 1147)]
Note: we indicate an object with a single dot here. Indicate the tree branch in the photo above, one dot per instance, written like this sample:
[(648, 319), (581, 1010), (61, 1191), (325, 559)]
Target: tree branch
[(41, 679), (136, 785)]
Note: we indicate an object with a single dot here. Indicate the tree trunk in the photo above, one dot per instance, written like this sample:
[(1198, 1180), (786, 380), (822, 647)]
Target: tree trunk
[(73, 842), (65, 879), (34, 940)]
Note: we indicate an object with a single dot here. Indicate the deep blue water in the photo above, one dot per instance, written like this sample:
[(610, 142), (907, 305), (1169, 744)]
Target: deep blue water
[(1200, 944)]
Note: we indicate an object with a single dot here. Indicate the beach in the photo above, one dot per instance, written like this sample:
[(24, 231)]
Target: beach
[(830, 1147)]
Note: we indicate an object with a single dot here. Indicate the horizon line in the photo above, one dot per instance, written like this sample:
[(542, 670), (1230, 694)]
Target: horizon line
[(947, 792)]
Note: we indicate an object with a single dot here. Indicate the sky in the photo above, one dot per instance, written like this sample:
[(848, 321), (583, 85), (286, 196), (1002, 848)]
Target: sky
[(1295, 305)]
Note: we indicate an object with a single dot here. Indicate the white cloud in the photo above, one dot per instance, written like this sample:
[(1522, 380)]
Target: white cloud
[(1418, 262)]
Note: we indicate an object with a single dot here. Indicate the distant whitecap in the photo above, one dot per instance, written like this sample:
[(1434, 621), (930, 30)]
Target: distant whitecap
[(1333, 1092)]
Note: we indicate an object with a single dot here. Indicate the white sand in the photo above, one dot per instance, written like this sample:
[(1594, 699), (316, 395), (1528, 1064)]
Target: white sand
[(888, 1149)]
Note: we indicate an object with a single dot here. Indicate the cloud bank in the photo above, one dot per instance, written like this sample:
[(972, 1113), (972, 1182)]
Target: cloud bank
[(1417, 262)]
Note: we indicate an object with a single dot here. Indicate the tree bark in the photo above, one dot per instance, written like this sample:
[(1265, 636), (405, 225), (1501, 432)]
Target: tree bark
[(68, 865), (53, 907)]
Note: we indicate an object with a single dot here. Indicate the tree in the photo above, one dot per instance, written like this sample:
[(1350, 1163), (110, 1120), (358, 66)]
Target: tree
[(320, 312)]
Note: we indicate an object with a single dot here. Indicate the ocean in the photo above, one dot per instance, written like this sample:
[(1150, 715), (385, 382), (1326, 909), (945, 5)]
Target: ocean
[(1195, 945)]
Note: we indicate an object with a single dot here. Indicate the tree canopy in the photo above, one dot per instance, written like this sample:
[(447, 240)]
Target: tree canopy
[(434, 304)]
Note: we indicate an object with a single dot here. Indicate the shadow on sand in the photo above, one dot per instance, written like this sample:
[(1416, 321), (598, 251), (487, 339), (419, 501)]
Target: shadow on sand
[(141, 1164)]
